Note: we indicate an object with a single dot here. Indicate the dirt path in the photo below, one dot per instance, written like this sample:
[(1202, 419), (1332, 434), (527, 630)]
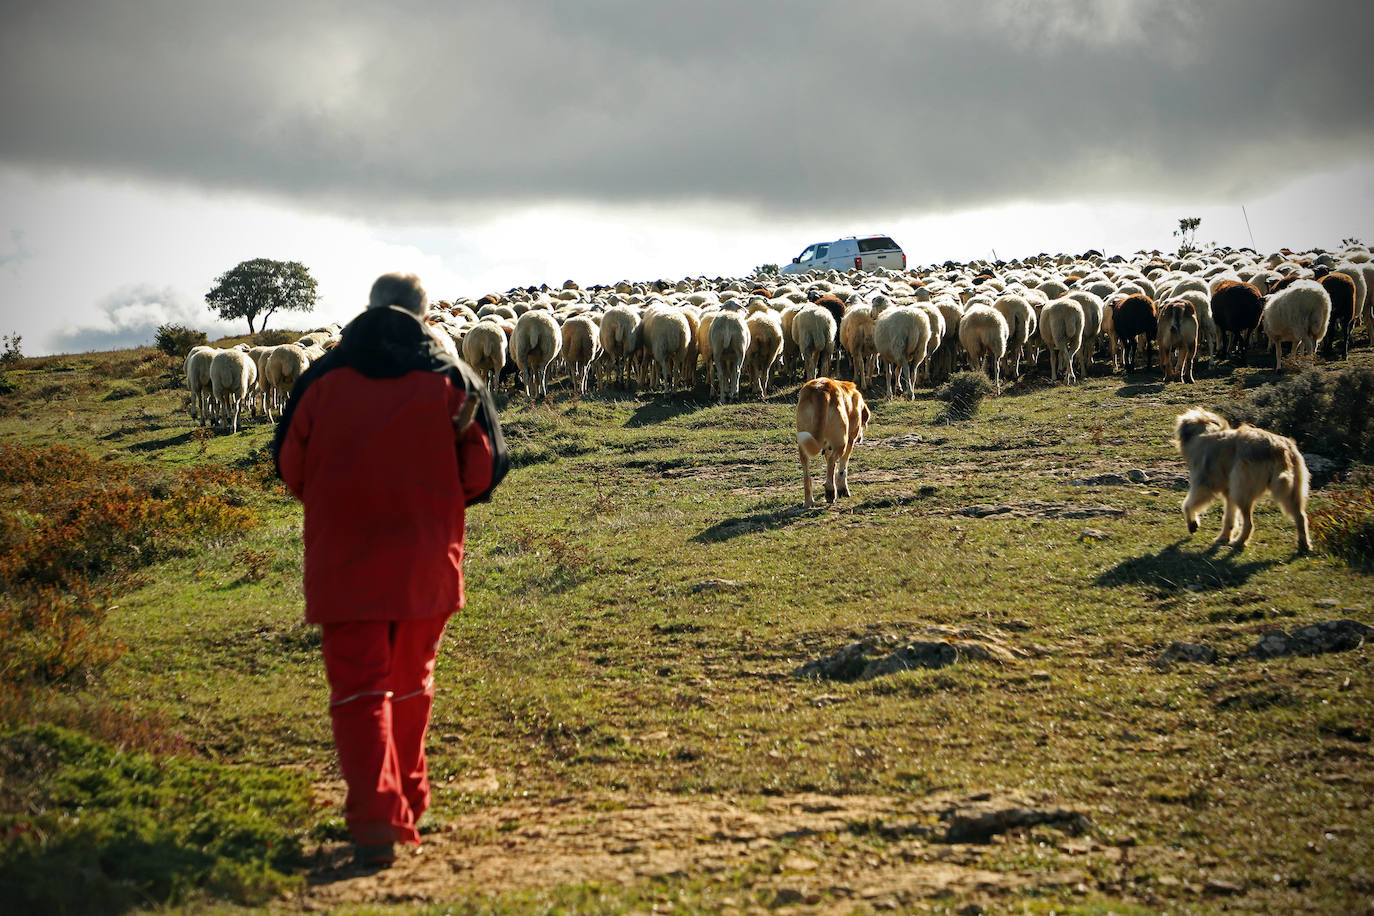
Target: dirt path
[(817, 853)]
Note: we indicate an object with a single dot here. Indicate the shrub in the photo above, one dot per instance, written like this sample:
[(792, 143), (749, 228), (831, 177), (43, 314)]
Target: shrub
[(87, 828), (121, 390), (70, 526), (1343, 526), (177, 340), (11, 350), (275, 338), (1330, 413), (964, 393)]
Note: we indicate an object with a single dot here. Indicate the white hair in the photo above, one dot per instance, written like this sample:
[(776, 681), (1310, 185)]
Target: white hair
[(400, 290)]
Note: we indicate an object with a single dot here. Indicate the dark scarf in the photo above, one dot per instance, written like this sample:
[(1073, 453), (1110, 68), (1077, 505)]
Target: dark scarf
[(388, 343)]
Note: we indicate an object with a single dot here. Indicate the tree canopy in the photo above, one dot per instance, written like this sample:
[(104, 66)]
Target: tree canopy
[(260, 287)]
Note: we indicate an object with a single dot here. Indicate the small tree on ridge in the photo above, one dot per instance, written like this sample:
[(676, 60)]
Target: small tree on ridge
[(260, 287)]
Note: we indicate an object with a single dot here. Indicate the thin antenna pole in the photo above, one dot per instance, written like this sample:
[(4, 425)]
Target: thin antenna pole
[(1247, 227), (994, 255)]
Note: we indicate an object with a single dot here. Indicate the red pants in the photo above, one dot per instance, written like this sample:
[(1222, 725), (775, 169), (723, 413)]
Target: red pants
[(381, 689)]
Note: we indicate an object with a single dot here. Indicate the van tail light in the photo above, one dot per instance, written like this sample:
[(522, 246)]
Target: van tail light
[(858, 263), (903, 260)]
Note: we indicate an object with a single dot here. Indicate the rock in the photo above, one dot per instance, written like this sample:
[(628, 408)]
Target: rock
[(979, 822), (1315, 639), (1327, 602), (936, 647), (1093, 534), (714, 585), (1136, 475), (1319, 465), (786, 896), (1100, 480), (1186, 652), (1220, 887)]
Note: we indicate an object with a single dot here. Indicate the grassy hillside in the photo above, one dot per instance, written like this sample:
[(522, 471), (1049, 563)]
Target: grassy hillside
[(641, 592)]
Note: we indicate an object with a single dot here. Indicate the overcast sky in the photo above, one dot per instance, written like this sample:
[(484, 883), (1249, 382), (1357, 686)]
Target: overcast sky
[(149, 146)]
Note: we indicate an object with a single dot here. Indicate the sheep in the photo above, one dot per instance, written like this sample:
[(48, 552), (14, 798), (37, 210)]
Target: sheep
[(1343, 291), (1094, 312), (1061, 327), (856, 336), (1366, 307), (282, 368), (983, 334), (900, 336), (534, 345), (666, 336), (484, 349), (262, 392), (765, 348), (1236, 310), (1020, 319), (814, 330), (232, 376), (729, 342), (1177, 330), (580, 349), (1298, 314), (1133, 317), (197, 367), (619, 325)]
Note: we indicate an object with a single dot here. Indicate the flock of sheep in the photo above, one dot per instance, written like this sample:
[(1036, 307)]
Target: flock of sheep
[(904, 328), (225, 382)]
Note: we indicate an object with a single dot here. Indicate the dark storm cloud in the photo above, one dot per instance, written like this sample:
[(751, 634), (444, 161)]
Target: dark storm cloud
[(790, 108)]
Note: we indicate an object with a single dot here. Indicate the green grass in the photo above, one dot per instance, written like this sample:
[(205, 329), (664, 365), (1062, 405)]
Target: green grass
[(644, 584)]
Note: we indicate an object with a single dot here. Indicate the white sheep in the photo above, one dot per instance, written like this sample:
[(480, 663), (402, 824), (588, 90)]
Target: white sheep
[(983, 334), (281, 369), (1020, 319), (533, 346), (901, 336), (619, 340), (856, 336), (232, 375), (197, 368), (814, 329), (729, 342), (580, 349), (666, 335), (1298, 314), (1094, 312), (765, 347), (1061, 328), (484, 349)]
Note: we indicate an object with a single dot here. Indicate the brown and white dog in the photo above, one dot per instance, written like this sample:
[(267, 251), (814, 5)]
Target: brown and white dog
[(831, 416), (1240, 465)]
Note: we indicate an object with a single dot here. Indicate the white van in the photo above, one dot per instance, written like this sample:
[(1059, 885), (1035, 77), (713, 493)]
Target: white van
[(866, 253)]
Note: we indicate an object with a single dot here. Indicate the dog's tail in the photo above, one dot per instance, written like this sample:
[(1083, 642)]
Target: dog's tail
[(1193, 423), (1290, 485), (809, 444)]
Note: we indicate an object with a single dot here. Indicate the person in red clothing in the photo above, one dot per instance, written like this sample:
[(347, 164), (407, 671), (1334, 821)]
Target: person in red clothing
[(386, 440)]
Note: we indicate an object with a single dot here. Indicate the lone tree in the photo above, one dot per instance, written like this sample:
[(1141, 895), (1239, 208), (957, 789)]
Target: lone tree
[(260, 287), (1187, 228)]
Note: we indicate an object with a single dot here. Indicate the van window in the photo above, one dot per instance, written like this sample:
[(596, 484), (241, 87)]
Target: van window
[(877, 243), (821, 250), (808, 254)]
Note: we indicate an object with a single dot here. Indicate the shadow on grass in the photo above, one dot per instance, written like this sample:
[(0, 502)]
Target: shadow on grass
[(663, 407), (153, 445), (1174, 568), (1134, 388), (728, 528)]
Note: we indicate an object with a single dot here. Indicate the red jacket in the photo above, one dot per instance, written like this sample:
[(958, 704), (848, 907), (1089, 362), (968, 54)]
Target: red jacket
[(385, 482)]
